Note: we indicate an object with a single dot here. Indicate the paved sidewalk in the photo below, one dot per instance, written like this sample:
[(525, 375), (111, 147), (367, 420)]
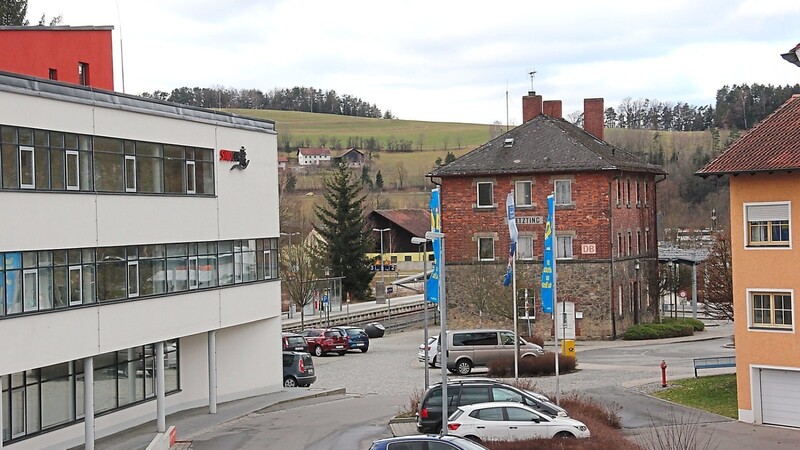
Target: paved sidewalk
[(193, 422)]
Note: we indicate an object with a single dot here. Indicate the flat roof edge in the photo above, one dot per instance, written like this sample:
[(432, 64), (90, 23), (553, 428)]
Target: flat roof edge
[(40, 87)]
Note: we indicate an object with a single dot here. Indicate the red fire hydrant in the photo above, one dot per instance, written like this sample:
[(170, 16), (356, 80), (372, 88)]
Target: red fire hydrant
[(663, 373)]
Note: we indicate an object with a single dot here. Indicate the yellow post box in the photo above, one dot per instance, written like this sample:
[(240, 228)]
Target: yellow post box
[(568, 347)]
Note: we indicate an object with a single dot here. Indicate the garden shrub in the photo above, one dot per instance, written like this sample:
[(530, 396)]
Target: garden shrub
[(657, 331), (531, 366), (696, 324)]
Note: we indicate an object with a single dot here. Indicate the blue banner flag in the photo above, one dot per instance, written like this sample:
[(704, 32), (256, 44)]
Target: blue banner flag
[(512, 234), (432, 287), (548, 263)]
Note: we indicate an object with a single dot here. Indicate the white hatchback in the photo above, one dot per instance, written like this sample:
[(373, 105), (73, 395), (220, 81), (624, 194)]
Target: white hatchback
[(509, 421)]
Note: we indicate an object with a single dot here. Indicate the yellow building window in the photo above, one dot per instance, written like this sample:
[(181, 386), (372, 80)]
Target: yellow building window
[(771, 309)]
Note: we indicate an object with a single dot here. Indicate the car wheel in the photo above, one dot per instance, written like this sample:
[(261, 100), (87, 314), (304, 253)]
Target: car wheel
[(475, 439), (564, 435), (433, 364), (289, 382), (341, 353), (364, 350), (318, 351), (463, 367)]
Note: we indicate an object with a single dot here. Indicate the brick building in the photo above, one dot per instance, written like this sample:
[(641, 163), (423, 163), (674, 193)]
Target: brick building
[(605, 216), (77, 55)]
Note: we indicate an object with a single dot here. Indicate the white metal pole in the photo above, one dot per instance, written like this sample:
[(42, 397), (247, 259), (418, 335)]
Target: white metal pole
[(212, 372), (443, 335), (555, 300), (425, 304), (88, 403), (516, 320), (694, 290)]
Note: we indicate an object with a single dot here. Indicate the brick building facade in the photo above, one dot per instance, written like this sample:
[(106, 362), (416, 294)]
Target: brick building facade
[(605, 215)]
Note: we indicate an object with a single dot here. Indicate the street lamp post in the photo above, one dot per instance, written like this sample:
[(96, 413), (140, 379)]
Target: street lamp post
[(424, 243), (290, 236), (713, 219), (443, 321), (383, 277), (637, 305)]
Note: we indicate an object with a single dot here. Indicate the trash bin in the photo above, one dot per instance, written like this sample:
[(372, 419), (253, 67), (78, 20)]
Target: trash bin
[(568, 347), (292, 309), (374, 330)]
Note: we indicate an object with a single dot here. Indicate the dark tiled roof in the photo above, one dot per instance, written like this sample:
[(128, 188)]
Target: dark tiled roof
[(321, 151), (415, 221), (544, 144), (773, 144)]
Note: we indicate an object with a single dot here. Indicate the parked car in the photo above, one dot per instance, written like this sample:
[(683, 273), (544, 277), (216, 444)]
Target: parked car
[(433, 343), (471, 348), (295, 342), (464, 392), (510, 421), (298, 369), (426, 442), (322, 341), (357, 338)]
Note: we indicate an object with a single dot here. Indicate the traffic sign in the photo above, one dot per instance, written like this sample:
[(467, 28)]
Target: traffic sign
[(325, 299)]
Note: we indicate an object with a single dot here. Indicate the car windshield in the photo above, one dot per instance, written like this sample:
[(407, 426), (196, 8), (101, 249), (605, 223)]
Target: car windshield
[(295, 340), (354, 332), (332, 334)]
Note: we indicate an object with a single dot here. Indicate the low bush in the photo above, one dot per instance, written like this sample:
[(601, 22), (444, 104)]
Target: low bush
[(536, 339), (531, 366), (657, 331), (696, 324), (413, 404), (604, 424)]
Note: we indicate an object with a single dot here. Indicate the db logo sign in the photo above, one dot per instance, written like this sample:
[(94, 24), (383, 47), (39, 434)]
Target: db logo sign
[(240, 158)]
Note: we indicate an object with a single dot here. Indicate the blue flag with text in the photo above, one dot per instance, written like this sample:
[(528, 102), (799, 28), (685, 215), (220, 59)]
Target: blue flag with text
[(432, 287), (548, 263)]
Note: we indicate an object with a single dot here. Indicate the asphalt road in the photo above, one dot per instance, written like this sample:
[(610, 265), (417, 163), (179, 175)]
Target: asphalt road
[(381, 382)]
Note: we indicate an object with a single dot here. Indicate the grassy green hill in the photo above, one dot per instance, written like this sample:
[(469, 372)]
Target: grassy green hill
[(299, 126)]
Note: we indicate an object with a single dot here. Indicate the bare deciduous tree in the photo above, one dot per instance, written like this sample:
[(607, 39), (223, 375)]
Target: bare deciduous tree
[(299, 266), (719, 287)]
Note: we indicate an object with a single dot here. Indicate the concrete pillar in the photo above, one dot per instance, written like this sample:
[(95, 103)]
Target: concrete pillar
[(212, 372), (694, 290), (161, 416), (2, 436), (88, 403)]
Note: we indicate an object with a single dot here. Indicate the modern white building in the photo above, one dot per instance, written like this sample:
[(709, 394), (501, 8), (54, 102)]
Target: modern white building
[(313, 156), (138, 251)]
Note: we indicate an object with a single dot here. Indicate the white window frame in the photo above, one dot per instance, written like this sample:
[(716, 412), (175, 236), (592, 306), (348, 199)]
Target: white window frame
[(480, 239), (478, 194), (194, 270), (80, 285), (527, 185), (77, 169), (769, 244), (191, 178), (130, 182), (561, 246), (519, 247), (32, 184), (769, 328), (620, 300), (269, 268), (25, 274), (133, 287), (558, 200)]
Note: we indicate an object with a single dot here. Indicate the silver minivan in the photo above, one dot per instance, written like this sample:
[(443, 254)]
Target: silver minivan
[(471, 348)]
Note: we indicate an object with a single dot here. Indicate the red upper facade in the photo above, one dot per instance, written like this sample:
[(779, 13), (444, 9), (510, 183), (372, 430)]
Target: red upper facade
[(79, 55)]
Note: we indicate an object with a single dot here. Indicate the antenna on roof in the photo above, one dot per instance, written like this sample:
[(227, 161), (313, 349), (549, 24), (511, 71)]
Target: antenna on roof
[(532, 74)]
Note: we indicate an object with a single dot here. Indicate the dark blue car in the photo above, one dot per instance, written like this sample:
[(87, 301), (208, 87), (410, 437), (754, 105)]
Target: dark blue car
[(356, 337), (426, 442)]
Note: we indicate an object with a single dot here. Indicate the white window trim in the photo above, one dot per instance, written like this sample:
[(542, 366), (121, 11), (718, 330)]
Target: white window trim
[(479, 238), (67, 155), (190, 167), (80, 285), (555, 191), (25, 274), (194, 269), (754, 328), (746, 235), (130, 184), (132, 283), (268, 266), (519, 257), (32, 185), (571, 246), (478, 194), (516, 189)]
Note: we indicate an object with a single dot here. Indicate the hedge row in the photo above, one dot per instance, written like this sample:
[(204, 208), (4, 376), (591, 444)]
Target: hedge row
[(657, 331), (696, 324), (530, 366)]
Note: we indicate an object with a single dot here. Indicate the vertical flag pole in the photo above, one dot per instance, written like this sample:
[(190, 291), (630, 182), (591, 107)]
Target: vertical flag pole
[(549, 298), (512, 268), (552, 210)]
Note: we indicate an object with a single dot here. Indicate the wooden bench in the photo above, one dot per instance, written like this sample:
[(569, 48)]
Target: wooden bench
[(713, 363)]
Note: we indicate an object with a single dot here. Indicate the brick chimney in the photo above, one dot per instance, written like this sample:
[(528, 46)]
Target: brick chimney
[(552, 108), (531, 106), (593, 121)]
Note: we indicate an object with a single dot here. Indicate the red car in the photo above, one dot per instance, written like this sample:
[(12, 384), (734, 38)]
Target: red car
[(322, 341)]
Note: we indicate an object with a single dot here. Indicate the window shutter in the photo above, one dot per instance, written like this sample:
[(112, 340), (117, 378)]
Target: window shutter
[(757, 213)]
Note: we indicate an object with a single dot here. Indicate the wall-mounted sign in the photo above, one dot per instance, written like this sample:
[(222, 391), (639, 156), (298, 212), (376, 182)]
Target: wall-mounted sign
[(530, 220), (240, 158), (588, 249)]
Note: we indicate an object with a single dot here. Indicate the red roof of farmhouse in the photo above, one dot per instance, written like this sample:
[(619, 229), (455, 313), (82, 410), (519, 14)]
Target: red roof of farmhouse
[(321, 151), (773, 144)]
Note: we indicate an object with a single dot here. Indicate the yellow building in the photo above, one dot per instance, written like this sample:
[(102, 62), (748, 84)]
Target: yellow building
[(764, 170)]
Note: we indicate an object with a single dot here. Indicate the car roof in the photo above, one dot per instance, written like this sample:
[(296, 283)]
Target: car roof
[(417, 437), (479, 330), (494, 405)]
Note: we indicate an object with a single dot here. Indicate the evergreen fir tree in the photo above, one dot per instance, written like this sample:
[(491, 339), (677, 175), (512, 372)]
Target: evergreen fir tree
[(365, 178), (379, 181), (347, 239)]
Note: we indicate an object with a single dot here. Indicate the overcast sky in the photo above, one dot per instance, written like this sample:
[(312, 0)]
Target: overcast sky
[(448, 60)]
